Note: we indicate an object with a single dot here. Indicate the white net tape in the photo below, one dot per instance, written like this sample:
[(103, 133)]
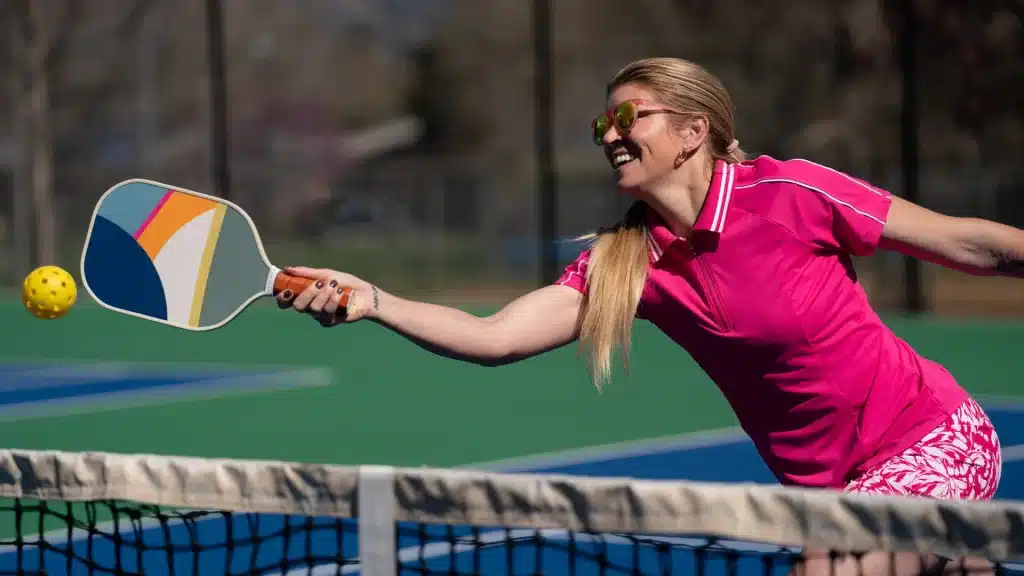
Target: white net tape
[(381, 496)]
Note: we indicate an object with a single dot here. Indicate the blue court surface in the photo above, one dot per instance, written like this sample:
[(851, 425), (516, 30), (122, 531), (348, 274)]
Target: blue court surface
[(29, 391), (214, 544)]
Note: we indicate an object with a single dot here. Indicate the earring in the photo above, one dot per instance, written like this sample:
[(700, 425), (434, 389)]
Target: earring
[(681, 157)]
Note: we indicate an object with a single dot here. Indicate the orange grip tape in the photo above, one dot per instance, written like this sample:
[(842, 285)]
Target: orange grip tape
[(297, 284)]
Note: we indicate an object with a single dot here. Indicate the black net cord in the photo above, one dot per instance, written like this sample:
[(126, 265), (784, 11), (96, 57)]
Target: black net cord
[(19, 530)]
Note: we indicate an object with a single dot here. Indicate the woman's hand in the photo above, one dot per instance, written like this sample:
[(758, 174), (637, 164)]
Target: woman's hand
[(321, 299)]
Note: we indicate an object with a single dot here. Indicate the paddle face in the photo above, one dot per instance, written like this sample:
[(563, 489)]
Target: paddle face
[(174, 256)]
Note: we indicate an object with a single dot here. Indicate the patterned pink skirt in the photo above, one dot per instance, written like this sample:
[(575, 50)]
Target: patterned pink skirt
[(958, 460)]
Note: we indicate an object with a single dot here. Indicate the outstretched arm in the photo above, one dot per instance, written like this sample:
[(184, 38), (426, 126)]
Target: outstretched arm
[(541, 320), (972, 245)]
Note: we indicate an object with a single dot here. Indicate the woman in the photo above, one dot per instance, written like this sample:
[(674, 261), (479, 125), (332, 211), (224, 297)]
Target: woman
[(746, 264)]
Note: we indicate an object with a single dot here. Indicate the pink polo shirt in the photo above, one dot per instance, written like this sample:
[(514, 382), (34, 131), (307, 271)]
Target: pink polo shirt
[(765, 298)]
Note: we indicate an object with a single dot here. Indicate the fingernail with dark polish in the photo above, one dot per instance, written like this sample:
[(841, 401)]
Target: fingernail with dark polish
[(287, 294), (341, 290), (333, 283), (319, 283)]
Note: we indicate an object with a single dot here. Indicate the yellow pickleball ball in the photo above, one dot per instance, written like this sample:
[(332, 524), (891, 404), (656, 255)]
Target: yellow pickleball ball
[(49, 292)]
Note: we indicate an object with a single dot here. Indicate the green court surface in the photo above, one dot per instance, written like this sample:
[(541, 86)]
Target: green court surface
[(386, 402), (276, 385)]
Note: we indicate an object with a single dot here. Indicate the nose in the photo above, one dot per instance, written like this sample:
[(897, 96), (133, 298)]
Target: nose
[(611, 135)]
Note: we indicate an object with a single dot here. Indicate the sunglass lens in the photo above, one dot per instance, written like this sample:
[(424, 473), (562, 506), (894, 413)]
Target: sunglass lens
[(625, 115), (601, 125)]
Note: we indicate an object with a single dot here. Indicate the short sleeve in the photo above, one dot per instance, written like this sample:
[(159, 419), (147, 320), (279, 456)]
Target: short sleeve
[(835, 210), (575, 274)]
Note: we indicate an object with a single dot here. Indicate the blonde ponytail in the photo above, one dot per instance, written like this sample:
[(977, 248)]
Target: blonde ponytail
[(616, 272), (733, 153)]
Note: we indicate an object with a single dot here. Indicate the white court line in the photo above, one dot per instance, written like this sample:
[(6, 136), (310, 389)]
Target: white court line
[(162, 366), (59, 375), (615, 451), (206, 389), (1001, 402), (1013, 453), (690, 441)]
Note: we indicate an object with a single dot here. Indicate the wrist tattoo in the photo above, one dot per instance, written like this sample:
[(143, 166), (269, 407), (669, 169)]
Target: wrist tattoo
[(376, 301)]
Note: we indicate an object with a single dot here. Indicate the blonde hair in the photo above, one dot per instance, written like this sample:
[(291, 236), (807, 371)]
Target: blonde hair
[(617, 267)]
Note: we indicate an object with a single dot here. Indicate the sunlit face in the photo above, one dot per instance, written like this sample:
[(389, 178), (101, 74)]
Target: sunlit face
[(648, 152)]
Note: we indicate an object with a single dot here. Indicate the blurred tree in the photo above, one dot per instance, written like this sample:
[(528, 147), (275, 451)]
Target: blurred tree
[(44, 37), (446, 128), (35, 39), (975, 51)]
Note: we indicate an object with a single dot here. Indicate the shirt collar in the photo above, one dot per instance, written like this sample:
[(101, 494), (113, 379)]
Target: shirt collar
[(710, 220)]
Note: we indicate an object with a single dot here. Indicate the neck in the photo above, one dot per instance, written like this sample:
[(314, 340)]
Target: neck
[(679, 199)]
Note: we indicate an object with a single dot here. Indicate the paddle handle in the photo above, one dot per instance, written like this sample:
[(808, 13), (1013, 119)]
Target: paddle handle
[(297, 284)]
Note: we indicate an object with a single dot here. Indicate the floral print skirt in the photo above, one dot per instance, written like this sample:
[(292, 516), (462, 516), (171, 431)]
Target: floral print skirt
[(958, 460)]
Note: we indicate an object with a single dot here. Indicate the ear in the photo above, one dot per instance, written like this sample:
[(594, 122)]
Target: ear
[(693, 131)]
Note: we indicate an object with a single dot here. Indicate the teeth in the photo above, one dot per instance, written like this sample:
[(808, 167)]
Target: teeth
[(620, 159)]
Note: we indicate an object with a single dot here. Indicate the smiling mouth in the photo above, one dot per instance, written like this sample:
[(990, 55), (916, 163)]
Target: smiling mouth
[(620, 159)]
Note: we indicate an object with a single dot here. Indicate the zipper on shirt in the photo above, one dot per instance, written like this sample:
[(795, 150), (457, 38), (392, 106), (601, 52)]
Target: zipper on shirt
[(707, 279)]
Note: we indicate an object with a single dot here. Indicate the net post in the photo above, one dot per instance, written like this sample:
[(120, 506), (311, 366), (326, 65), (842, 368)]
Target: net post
[(378, 553)]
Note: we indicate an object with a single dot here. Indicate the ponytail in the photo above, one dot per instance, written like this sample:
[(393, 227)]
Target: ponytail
[(733, 153), (616, 272)]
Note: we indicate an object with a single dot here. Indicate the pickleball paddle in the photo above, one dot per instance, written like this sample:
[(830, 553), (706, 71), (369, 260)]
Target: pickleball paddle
[(178, 257)]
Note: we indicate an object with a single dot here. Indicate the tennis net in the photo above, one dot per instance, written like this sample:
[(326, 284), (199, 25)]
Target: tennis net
[(101, 513)]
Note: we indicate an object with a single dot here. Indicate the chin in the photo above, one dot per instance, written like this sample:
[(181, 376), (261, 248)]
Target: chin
[(629, 183), (635, 192)]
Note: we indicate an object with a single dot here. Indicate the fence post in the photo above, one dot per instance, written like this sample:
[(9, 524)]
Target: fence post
[(547, 201), (218, 99), (913, 295)]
